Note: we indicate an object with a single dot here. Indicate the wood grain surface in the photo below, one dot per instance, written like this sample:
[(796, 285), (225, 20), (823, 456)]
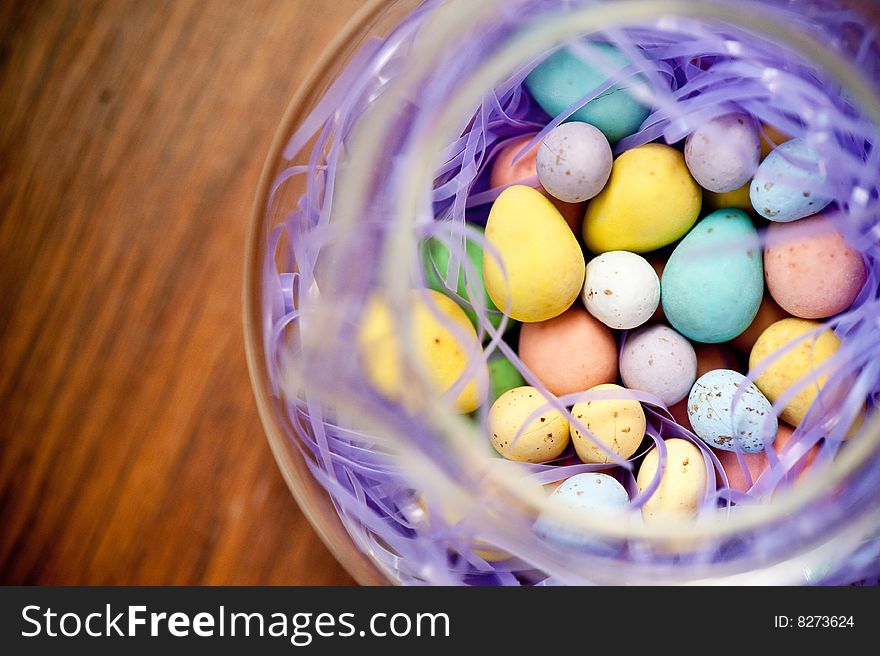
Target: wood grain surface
[(132, 135)]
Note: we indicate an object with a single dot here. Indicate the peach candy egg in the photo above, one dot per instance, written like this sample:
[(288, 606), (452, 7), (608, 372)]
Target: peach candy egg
[(757, 463), (811, 271), (569, 353)]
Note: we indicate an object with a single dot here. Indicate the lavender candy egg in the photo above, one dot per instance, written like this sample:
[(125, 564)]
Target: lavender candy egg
[(787, 184), (723, 154), (590, 494), (621, 289), (657, 360), (574, 162), (728, 412)]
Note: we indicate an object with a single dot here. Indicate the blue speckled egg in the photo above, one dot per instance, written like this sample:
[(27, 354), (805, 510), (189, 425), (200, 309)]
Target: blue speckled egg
[(583, 493), (563, 78), (713, 283), (787, 183), (730, 418)]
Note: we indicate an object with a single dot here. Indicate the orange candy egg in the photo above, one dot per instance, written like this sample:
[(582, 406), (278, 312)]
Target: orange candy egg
[(811, 271), (569, 353), (757, 463)]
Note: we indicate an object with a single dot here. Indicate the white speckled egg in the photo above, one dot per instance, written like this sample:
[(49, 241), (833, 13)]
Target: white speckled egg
[(621, 289), (574, 162), (590, 494), (682, 483), (724, 153), (730, 413), (657, 360)]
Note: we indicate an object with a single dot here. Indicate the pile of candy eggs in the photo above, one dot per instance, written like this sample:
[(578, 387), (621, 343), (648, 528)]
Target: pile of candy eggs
[(647, 281)]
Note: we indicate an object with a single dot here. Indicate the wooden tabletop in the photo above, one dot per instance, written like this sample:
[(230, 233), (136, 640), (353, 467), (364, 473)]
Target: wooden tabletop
[(132, 135)]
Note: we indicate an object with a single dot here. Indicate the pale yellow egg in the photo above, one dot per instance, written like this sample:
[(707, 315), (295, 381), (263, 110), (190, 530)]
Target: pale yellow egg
[(516, 437), (618, 424), (795, 365), (443, 353), (682, 484), (541, 257)]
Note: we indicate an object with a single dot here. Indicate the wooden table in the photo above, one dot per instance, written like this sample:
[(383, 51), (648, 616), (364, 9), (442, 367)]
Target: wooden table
[(132, 135)]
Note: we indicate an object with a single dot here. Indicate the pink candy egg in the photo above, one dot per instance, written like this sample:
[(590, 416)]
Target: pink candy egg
[(569, 353), (757, 463), (525, 171), (811, 271)]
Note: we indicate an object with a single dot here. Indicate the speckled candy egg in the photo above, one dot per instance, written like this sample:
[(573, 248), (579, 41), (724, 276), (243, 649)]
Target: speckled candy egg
[(682, 483), (564, 77), (714, 280), (574, 162), (650, 201), (657, 360), (771, 137), (724, 153), (543, 265), (810, 269), (730, 413), (709, 357), (788, 184), (591, 494), (617, 423), (787, 369), (569, 353), (621, 289), (517, 437), (524, 170)]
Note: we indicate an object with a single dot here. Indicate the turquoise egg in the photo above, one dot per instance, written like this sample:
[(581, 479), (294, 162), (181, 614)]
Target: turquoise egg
[(728, 412), (563, 78), (787, 184), (593, 494), (713, 283)]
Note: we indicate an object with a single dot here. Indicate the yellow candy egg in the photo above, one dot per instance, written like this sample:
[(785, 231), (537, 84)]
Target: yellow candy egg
[(619, 424), (542, 258), (682, 485), (738, 199), (543, 438), (791, 367), (650, 201), (442, 353)]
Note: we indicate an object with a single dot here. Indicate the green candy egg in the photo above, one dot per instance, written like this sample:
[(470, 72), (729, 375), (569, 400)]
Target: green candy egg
[(503, 376), (436, 264)]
